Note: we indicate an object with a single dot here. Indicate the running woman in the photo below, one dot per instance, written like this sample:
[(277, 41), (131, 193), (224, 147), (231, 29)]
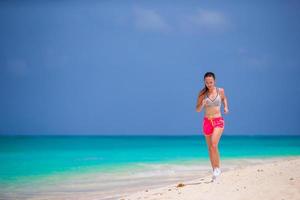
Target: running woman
[(210, 98)]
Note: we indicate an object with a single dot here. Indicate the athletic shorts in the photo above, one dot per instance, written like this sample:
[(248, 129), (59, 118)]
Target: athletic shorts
[(210, 123)]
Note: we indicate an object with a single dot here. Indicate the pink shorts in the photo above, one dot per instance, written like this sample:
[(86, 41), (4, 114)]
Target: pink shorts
[(210, 123)]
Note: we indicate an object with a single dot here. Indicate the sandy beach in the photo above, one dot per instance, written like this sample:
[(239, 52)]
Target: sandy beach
[(276, 179)]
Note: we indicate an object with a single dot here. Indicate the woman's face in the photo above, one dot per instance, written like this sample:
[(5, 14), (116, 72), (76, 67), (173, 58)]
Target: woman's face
[(209, 82)]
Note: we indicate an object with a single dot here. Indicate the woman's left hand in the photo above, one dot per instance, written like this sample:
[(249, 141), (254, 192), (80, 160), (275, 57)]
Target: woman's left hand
[(226, 110)]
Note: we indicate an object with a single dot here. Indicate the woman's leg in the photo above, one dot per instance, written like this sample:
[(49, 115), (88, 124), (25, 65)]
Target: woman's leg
[(214, 150), (208, 142)]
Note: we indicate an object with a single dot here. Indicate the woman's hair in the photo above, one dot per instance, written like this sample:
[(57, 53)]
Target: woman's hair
[(207, 74)]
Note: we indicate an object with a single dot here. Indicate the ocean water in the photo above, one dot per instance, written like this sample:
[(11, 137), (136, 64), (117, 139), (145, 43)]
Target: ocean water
[(25, 160)]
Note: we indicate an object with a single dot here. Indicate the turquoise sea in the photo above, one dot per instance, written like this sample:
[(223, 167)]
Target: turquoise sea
[(25, 159), (34, 156)]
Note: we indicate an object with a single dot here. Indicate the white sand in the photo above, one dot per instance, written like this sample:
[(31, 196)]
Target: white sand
[(279, 179)]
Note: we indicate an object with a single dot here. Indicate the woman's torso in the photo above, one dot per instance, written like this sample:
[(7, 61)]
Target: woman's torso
[(213, 104)]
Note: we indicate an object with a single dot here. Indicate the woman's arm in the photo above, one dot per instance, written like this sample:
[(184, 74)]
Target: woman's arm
[(224, 100), (200, 104)]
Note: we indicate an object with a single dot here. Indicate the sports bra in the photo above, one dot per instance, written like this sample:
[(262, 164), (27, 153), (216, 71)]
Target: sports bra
[(215, 102)]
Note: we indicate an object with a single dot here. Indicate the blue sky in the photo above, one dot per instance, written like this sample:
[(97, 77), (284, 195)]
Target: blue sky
[(136, 67)]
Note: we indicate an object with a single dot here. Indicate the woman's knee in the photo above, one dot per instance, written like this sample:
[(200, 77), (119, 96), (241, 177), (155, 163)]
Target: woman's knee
[(213, 146)]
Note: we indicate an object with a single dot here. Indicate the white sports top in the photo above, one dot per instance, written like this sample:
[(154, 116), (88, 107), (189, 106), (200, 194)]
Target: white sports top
[(215, 102)]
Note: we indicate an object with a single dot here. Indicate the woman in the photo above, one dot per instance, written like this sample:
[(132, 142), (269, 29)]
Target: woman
[(210, 97)]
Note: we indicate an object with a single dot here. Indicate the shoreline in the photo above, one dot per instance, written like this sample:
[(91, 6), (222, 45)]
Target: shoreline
[(156, 178), (276, 178)]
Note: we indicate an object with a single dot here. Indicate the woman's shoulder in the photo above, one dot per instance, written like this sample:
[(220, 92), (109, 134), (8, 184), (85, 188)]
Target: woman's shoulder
[(221, 89), (222, 92), (202, 94)]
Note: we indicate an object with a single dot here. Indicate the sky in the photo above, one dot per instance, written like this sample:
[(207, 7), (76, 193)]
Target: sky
[(136, 67)]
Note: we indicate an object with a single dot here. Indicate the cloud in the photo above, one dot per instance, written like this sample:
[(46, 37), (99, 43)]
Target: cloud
[(253, 60), (203, 20), (150, 20), (199, 21), (209, 18), (17, 67)]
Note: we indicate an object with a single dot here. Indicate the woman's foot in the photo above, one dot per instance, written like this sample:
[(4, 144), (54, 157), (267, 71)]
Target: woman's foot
[(216, 173)]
